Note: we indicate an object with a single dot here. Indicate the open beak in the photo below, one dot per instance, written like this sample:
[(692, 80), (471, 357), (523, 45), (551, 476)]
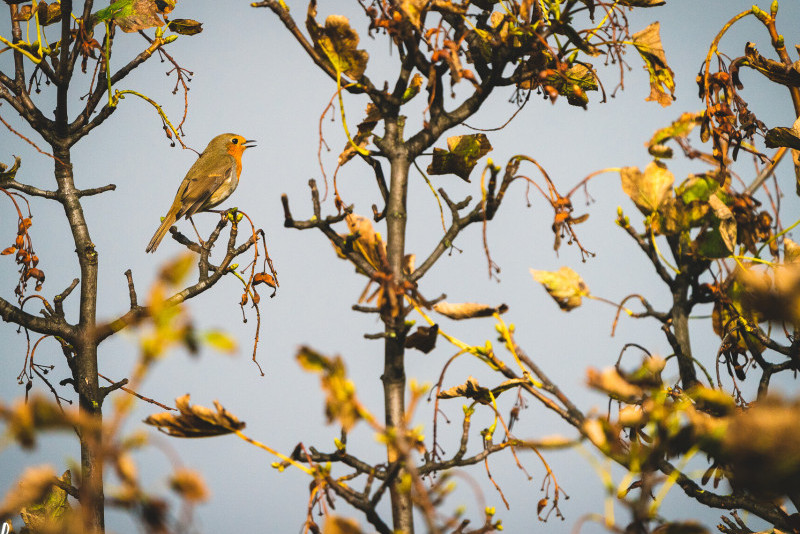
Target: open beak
[(250, 143)]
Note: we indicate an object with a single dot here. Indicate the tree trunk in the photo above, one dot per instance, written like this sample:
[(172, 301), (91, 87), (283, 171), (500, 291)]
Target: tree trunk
[(394, 377), (84, 366)]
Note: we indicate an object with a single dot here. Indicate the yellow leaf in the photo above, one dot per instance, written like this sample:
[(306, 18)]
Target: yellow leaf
[(648, 190), (467, 310), (220, 341), (565, 286)]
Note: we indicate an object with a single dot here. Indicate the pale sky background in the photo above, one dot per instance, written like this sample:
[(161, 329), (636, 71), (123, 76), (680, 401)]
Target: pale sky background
[(252, 78)]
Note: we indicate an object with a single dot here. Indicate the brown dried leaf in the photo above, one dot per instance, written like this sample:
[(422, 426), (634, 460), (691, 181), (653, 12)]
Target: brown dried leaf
[(195, 421), (727, 222), (424, 339), (468, 310), (470, 390)]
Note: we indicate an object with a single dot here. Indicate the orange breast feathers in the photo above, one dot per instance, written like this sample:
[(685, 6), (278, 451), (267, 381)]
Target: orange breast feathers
[(236, 151)]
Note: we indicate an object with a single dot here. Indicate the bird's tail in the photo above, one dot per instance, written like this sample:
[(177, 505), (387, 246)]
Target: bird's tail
[(168, 221)]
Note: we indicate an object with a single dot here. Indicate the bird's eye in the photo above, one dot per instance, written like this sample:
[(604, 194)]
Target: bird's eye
[(235, 140)]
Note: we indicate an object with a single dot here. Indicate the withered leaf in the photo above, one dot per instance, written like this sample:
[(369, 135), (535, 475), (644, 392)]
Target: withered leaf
[(413, 10), (462, 155), (780, 136), (773, 298), (340, 403), (185, 26), (470, 390), (49, 513), (565, 286), (467, 310), (48, 13), (31, 487), (195, 421), (338, 42), (679, 128), (424, 339), (727, 222), (361, 139), (135, 15), (662, 82), (648, 190), (642, 3), (681, 527)]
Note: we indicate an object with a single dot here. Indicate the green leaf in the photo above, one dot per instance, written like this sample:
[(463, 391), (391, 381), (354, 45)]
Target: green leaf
[(662, 82), (462, 156)]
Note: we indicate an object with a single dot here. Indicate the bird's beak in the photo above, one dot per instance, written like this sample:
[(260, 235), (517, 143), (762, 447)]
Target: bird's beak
[(247, 144)]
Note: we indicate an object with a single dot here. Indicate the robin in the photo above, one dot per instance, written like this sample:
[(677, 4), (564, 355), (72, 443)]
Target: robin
[(211, 180)]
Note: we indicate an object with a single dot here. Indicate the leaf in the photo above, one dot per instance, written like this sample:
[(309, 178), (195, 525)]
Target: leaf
[(49, 513), (780, 136), (363, 239), (648, 44), (727, 223), (48, 14), (565, 286), (467, 310), (791, 251), (362, 137), (642, 3), (185, 26), (424, 339), (340, 403), (462, 155), (683, 527), (338, 42), (195, 421), (679, 128), (775, 298), (698, 187), (470, 390), (135, 15), (614, 385), (189, 485), (573, 84), (32, 486), (413, 10), (775, 71), (648, 190), (220, 341), (340, 525)]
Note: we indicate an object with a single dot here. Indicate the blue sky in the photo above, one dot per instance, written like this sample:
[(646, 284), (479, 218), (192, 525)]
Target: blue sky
[(251, 78)]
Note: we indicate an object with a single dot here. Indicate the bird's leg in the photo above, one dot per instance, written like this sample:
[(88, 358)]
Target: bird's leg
[(200, 239)]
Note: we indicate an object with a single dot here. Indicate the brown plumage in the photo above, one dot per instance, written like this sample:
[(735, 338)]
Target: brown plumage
[(211, 180)]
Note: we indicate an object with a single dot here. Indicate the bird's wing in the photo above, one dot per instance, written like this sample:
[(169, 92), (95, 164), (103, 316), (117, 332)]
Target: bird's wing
[(202, 180)]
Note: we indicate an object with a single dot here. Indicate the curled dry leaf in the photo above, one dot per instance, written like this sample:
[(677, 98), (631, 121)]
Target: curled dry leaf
[(727, 222), (470, 390), (468, 310), (424, 339), (185, 26), (135, 15), (195, 421), (565, 286), (773, 298)]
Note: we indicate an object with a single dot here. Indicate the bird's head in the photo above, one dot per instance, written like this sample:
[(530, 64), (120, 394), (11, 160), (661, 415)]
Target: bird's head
[(231, 143)]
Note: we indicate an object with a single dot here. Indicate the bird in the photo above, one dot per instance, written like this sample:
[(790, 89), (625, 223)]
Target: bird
[(209, 182)]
